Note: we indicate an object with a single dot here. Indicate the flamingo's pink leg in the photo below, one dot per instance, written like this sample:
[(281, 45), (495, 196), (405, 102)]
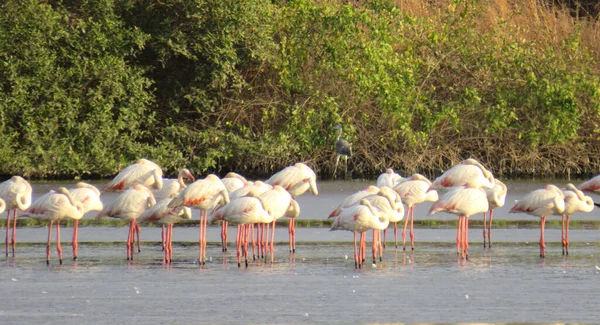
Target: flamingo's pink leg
[(567, 234), (490, 229), (404, 231), (542, 240), (58, 248), (484, 229), (14, 232), (459, 236), (273, 243), (137, 231), (74, 240), (48, 243), (412, 234), (7, 231)]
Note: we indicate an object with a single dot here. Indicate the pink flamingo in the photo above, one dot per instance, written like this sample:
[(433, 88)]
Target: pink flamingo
[(281, 204), (542, 203), (232, 181), (143, 172), (496, 198), (55, 206), (591, 185), (89, 197), (169, 189), (389, 206), (412, 192), (204, 194), (463, 201), (575, 201), (469, 170), (16, 192), (257, 187), (161, 213), (389, 179), (129, 206), (295, 179), (354, 199), (359, 218), (244, 211)]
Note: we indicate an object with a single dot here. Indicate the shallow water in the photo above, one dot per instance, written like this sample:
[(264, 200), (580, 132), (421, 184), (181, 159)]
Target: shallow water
[(318, 284), (505, 284)]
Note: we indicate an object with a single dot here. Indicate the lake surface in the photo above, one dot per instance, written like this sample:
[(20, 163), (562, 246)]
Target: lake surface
[(508, 283)]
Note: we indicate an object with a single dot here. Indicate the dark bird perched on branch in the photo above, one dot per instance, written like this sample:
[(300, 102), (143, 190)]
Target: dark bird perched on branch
[(343, 148)]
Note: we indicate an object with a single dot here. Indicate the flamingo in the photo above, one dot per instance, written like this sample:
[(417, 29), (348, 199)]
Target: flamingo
[(129, 206), (203, 194), (257, 187), (469, 170), (575, 201), (354, 199), (166, 216), (388, 203), (463, 201), (281, 204), (232, 182), (496, 198), (412, 192), (143, 172), (243, 211), (295, 179), (169, 189), (16, 192), (89, 197), (389, 179), (359, 218), (55, 206), (542, 203), (591, 185)]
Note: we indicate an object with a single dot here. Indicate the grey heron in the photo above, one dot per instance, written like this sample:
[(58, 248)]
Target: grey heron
[(343, 148)]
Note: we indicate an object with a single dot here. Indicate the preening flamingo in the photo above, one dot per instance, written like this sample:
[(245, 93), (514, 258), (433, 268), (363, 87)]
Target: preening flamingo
[(170, 186), (89, 197), (55, 206), (280, 204), (343, 148), (257, 188), (143, 172), (412, 192), (575, 201), (295, 179), (389, 179), (129, 206), (169, 189), (496, 198), (16, 193), (244, 211), (542, 203), (464, 201), (389, 206), (204, 194), (161, 213), (359, 218), (469, 170), (232, 181), (354, 199)]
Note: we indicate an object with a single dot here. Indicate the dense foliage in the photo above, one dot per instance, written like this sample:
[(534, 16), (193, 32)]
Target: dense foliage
[(87, 87)]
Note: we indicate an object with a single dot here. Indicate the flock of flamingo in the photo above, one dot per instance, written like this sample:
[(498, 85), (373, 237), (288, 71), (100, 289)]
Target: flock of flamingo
[(255, 206)]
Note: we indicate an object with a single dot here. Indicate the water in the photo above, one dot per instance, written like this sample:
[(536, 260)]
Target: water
[(319, 284)]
